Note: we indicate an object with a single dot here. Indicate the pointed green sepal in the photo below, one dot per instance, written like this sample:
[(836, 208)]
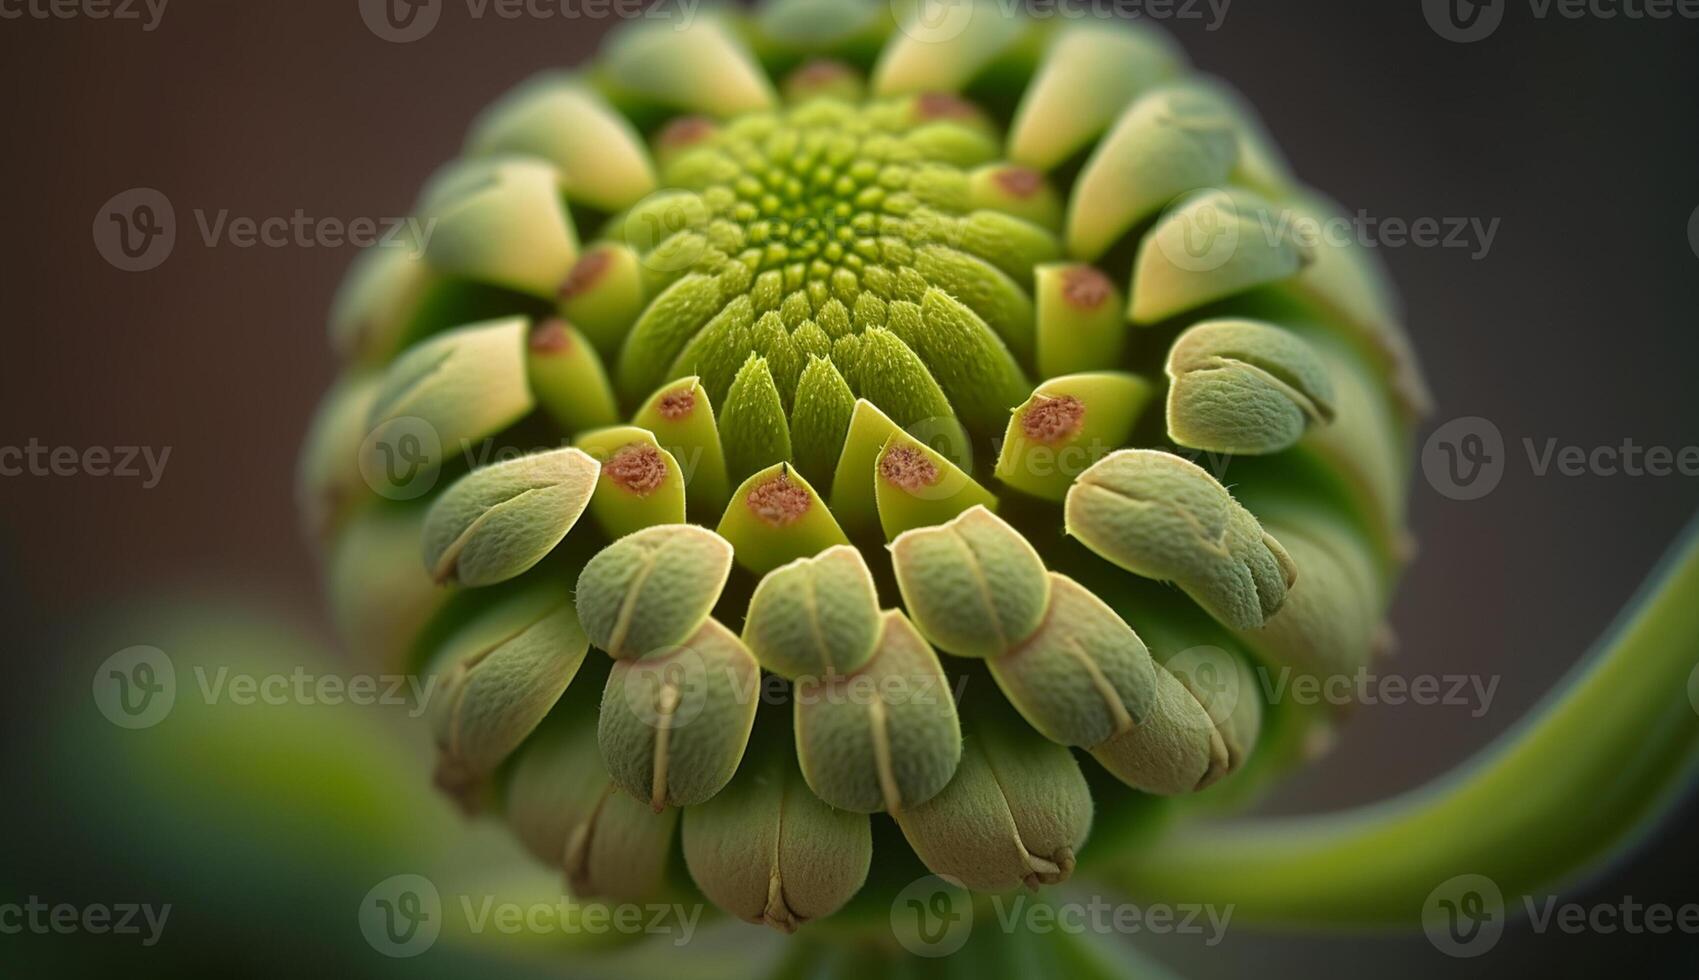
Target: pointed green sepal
[(1068, 424), (503, 222), (776, 517), (681, 416), (567, 378), (641, 484), (565, 122)]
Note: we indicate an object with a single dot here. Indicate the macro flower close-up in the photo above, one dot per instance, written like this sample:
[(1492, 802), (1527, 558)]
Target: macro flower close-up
[(835, 486)]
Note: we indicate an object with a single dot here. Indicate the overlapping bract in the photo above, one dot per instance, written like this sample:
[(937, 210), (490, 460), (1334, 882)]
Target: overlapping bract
[(885, 305)]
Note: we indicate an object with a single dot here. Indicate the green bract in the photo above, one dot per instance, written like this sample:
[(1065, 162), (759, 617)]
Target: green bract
[(778, 355)]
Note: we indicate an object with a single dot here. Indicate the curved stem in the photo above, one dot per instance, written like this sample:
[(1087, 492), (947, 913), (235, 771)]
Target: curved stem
[(1583, 777)]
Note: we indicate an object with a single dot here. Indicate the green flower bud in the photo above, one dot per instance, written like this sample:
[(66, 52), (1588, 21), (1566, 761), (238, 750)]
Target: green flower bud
[(681, 416), (497, 677), (815, 617), (776, 517), (653, 589), (375, 307), (1068, 424), (885, 736), (1170, 142), (567, 811), (1089, 73), (820, 421), (566, 123), (674, 723), (1211, 246), (381, 600), (603, 294), (1016, 813), (1239, 386), (497, 522), (753, 425), (328, 482), (1084, 677), (1161, 517), (502, 222), (974, 586), (444, 394), (1019, 191), (1081, 319), (932, 55), (700, 68), (766, 849), (823, 78), (915, 486), (567, 378), (641, 484), (1176, 749)]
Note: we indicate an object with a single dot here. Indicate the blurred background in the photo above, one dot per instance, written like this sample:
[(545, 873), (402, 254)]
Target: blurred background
[(1572, 138)]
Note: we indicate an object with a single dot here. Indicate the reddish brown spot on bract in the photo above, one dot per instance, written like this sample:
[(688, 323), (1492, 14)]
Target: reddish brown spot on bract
[(1020, 181), (943, 105), (677, 404), (637, 467), (684, 131), (820, 72), (551, 337), (1052, 420), (779, 501), (908, 468), (586, 272), (1085, 287)]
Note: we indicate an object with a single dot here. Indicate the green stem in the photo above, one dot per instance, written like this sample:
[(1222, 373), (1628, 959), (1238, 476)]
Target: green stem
[(1578, 781)]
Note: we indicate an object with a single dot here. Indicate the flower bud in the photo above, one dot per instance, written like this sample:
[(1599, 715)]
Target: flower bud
[(496, 523), (653, 589)]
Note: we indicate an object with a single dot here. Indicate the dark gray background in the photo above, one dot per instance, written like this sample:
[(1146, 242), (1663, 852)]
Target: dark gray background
[(1578, 325)]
